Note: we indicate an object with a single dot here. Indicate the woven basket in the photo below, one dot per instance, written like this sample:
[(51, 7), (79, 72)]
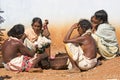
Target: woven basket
[(60, 61)]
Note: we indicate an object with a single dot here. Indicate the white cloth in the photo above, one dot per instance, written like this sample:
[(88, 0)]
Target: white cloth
[(107, 34), (108, 52), (76, 53), (106, 40), (41, 41), (17, 62), (20, 63)]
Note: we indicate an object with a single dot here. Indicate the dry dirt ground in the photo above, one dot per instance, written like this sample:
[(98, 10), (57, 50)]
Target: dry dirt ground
[(109, 70)]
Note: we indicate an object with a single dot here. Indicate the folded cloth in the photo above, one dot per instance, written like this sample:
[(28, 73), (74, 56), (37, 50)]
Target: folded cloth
[(107, 34), (76, 53), (20, 63), (108, 52), (42, 42)]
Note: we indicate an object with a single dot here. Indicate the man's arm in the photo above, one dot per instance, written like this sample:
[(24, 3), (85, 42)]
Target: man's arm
[(24, 50), (23, 37), (73, 40)]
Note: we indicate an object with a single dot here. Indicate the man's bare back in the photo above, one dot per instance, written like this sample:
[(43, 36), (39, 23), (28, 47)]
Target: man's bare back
[(17, 57), (11, 48), (88, 45)]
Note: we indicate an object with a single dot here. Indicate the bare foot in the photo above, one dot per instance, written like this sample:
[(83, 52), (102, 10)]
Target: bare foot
[(32, 70), (74, 70)]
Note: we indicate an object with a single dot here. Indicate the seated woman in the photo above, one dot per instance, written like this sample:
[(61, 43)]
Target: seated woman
[(35, 40), (105, 35)]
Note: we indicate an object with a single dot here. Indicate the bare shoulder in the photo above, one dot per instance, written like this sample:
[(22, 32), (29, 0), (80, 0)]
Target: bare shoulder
[(19, 43), (87, 38), (81, 39), (13, 42)]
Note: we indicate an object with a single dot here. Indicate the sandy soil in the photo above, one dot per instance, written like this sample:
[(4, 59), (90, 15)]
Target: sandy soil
[(109, 70)]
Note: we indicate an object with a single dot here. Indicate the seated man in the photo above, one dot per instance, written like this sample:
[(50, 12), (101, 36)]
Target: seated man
[(16, 57), (81, 49)]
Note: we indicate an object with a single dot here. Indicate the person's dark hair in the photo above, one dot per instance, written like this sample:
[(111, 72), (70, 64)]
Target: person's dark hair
[(101, 15), (37, 19), (46, 21), (17, 30), (85, 24)]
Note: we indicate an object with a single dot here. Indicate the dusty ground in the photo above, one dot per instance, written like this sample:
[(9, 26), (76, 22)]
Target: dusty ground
[(109, 70)]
